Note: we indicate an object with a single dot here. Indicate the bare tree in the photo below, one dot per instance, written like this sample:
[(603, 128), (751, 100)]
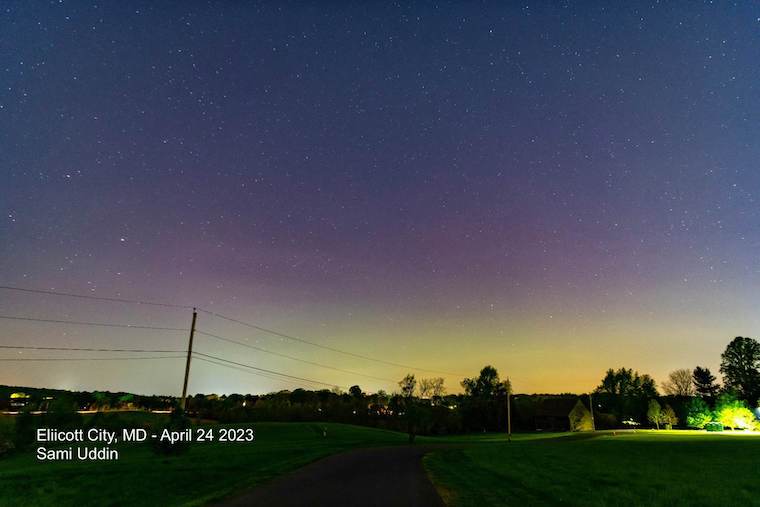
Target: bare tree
[(407, 385), (438, 389), (668, 417), (654, 413), (432, 389), (679, 383), (426, 388)]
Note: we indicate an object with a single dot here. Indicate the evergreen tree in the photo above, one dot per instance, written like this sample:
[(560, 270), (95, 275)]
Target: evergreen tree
[(704, 382)]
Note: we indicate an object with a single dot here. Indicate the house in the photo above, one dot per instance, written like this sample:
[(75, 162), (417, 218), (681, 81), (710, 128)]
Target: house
[(19, 400), (562, 414)]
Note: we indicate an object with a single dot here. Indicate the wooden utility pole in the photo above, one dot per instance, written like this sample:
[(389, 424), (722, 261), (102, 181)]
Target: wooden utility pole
[(183, 401), (591, 407), (509, 415)]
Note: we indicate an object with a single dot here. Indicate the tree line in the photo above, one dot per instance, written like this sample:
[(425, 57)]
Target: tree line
[(623, 398), (692, 397)]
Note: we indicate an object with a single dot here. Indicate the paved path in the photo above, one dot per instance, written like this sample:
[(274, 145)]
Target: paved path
[(388, 476)]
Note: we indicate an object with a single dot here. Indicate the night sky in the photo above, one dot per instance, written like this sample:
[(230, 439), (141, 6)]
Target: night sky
[(553, 189)]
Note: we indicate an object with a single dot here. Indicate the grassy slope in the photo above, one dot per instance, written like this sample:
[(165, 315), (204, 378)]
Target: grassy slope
[(646, 468), (207, 471)]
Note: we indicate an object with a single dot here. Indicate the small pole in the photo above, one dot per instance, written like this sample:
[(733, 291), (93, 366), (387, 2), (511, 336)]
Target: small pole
[(509, 415), (591, 406), (183, 401)]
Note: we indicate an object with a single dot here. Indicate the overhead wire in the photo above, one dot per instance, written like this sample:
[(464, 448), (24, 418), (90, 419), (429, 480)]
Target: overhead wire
[(214, 314), (97, 298), (244, 365), (87, 349), (245, 370), (13, 359), (86, 323), (306, 361), (319, 345)]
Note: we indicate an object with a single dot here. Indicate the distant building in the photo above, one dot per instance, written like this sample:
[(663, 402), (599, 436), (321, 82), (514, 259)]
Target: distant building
[(19, 400)]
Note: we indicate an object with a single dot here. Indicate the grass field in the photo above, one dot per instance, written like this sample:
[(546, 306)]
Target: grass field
[(643, 468), (205, 472), (632, 469)]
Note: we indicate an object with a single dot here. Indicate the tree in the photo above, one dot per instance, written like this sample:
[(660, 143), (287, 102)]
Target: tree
[(426, 387), (654, 413), (668, 417), (485, 385), (356, 392), (740, 366), (733, 412), (484, 405), (704, 382), (407, 385), (626, 382), (432, 388), (626, 392), (438, 389), (698, 414), (679, 383)]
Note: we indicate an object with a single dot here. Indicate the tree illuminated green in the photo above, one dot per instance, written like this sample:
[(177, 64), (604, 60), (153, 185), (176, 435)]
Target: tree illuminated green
[(733, 413), (668, 417), (699, 414), (654, 413)]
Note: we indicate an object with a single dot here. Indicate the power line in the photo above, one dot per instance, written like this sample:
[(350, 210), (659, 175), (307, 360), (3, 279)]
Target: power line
[(84, 323), (314, 344), (82, 349), (244, 370), (264, 370), (254, 347), (96, 298), (208, 312), (87, 358)]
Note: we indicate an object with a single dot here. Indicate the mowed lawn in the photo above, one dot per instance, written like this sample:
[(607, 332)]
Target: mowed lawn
[(206, 472), (645, 468)]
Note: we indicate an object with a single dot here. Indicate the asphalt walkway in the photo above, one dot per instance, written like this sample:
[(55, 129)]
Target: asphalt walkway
[(388, 476)]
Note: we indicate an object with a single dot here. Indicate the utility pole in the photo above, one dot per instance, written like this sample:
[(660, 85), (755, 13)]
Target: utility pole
[(183, 401), (509, 414), (591, 406)]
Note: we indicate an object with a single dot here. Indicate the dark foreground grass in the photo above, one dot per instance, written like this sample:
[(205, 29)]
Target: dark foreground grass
[(641, 469), (205, 472)]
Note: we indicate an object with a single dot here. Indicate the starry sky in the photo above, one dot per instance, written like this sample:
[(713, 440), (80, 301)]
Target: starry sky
[(551, 188)]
